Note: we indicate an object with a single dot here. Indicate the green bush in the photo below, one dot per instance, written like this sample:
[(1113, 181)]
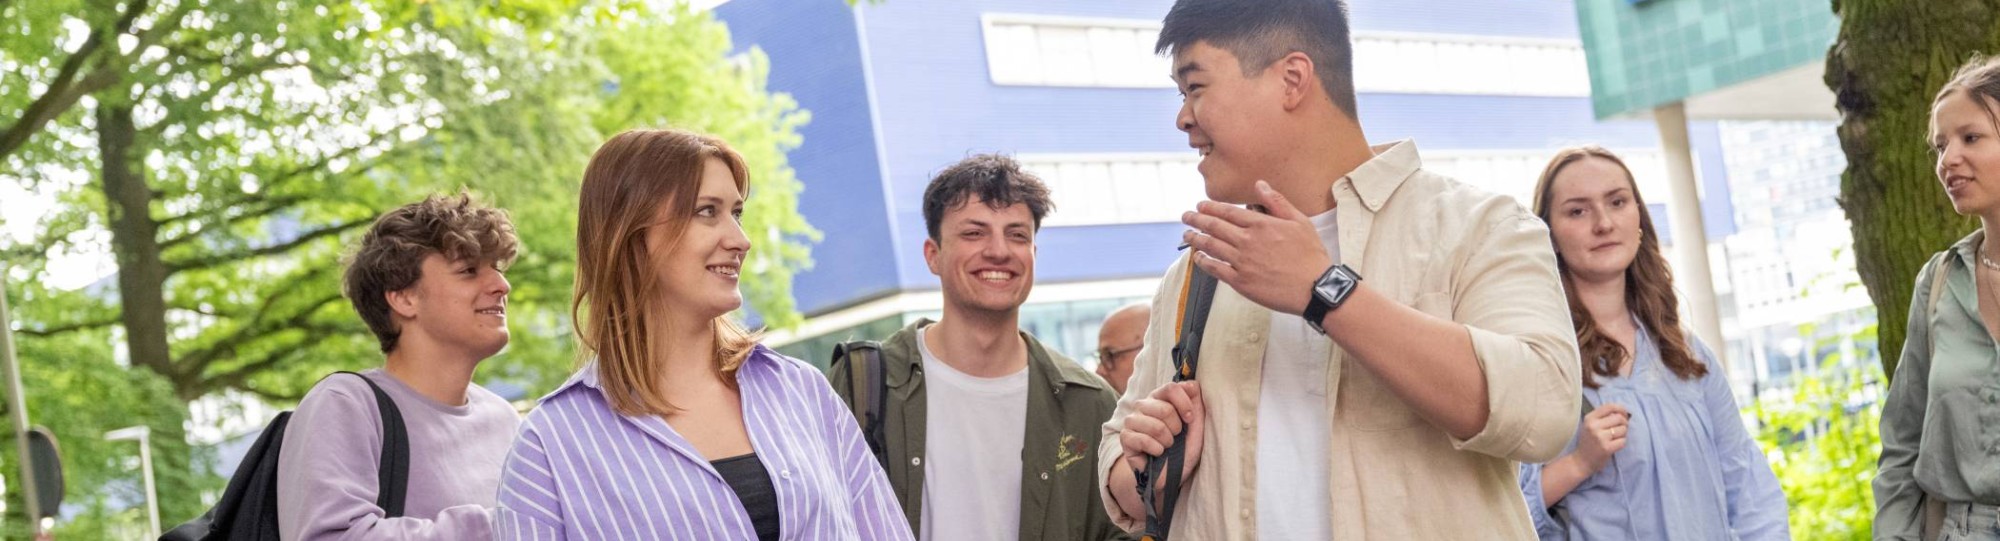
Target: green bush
[(1822, 441)]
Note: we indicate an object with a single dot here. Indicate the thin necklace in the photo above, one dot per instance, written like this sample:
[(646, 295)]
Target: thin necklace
[(1984, 261), (1987, 262)]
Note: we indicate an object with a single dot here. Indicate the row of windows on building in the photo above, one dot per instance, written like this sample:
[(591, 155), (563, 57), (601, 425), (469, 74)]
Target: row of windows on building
[(1035, 50)]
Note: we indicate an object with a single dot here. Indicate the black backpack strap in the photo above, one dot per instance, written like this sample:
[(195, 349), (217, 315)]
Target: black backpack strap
[(868, 392), (394, 475), (1197, 296)]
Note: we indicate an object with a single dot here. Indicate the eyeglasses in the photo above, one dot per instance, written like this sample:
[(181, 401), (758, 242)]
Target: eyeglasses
[(1107, 355)]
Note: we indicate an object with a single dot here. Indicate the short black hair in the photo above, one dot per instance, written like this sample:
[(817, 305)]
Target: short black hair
[(1260, 32), (996, 179)]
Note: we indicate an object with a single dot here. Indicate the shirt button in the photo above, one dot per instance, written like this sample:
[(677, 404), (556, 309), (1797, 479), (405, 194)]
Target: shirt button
[(787, 474), (1045, 476), (916, 461), (1253, 337), (1246, 425), (1246, 513)]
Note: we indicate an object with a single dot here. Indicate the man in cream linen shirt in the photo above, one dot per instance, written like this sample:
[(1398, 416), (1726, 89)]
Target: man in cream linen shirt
[(1328, 406)]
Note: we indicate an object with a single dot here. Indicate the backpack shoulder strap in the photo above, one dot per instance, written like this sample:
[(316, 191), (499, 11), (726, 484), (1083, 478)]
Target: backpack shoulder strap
[(394, 473), (1941, 271), (1942, 264), (1197, 296), (868, 391)]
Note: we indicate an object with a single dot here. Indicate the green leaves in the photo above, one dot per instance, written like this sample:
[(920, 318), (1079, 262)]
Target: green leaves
[(79, 391), (1823, 441), (268, 133)]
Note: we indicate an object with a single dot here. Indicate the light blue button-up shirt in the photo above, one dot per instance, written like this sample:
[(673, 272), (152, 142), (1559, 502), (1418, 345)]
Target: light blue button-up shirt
[(1689, 469)]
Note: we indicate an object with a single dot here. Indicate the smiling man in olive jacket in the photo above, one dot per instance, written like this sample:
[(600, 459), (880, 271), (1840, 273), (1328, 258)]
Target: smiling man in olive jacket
[(986, 434)]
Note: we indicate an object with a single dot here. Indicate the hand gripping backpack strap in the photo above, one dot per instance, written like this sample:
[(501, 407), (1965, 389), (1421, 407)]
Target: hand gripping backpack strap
[(1197, 296), (394, 474)]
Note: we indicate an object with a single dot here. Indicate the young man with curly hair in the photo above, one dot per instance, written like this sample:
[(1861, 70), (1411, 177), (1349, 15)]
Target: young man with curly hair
[(429, 281)]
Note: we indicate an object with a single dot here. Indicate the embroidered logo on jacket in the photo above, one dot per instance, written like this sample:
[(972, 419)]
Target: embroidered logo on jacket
[(1069, 450)]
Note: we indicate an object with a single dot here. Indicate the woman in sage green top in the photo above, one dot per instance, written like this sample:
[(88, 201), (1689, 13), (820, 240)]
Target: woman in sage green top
[(1939, 476)]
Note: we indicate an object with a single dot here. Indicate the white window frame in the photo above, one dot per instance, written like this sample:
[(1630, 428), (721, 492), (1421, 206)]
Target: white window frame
[(1088, 203)]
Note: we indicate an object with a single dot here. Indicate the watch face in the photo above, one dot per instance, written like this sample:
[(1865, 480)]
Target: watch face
[(1329, 289), (1335, 283)]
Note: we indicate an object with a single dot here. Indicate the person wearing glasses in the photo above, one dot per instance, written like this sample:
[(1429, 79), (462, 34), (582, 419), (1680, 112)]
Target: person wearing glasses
[(1118, 342), (988, 432)]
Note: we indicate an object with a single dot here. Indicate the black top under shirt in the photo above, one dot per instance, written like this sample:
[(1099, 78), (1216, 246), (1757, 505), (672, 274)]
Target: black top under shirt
[(745, 475)]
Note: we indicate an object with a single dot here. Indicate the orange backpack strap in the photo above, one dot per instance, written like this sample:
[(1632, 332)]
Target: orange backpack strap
[(1197, 296)]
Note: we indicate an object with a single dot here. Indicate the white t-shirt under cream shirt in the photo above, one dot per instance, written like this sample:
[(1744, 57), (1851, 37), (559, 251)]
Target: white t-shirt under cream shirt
[(1294, 495)]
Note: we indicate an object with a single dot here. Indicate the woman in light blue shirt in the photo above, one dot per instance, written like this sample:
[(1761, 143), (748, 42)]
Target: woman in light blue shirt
[(1661, 452)]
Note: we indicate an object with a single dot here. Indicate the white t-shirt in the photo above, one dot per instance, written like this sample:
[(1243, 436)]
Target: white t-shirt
[(1294, 494), (972, 443)]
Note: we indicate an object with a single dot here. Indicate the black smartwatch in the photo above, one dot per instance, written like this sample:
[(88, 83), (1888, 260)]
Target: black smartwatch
[(1328, 293)]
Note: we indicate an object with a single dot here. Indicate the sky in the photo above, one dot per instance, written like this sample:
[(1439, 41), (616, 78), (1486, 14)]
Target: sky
[(21, 213)]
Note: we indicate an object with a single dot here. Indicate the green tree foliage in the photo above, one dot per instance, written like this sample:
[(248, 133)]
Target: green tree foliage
[(1823, 441), (1889, 60), (226, 152), (80, 398)]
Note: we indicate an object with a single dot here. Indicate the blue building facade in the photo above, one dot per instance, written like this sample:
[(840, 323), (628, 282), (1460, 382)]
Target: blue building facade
[(898, 90)]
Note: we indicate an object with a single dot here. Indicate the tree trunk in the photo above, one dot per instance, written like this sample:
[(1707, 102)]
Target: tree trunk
[(135, 241), (1887, 64), (142, 277)]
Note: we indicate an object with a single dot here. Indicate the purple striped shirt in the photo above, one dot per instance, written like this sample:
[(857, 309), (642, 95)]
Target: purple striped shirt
[(581, 471)]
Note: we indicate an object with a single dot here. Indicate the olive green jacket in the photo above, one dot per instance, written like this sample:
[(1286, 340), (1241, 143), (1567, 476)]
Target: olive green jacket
[(1067, 406)]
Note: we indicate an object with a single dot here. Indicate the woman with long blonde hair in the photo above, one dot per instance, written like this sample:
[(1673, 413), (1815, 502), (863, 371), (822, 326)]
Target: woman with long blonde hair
[(680, 425), (1660, 452)]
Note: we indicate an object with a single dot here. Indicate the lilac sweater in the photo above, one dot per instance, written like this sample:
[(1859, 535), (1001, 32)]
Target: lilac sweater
[(327, 469)]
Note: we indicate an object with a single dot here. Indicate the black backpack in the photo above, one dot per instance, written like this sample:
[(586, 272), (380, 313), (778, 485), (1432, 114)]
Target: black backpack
[(249, 506), (868, 392)]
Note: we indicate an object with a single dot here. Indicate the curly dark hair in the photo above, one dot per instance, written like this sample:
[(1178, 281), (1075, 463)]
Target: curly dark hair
[(391, 256), (996, 179)]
